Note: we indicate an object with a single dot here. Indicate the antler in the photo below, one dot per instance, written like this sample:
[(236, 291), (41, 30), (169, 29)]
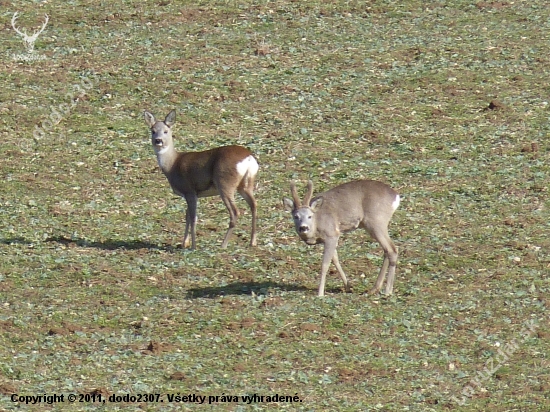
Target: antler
[(295, 197), (309, 193), (28, 39), (13, 19), (43, 26)]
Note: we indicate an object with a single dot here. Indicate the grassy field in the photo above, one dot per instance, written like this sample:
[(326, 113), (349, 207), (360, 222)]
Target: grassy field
[(445, 101)]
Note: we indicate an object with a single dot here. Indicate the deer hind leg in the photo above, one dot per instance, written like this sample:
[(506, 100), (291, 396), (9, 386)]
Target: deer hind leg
[(228, 199), (340, 271), (247, 192), (392, 257), (390, 262), (381, 276)]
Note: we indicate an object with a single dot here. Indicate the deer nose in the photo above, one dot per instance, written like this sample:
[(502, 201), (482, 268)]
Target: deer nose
[(304, 228), (158, 142)]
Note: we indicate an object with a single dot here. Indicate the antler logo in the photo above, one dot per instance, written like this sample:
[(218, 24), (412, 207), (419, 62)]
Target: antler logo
[(29, 40)]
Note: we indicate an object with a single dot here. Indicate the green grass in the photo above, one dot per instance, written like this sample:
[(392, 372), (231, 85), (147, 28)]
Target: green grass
[(96, 294)]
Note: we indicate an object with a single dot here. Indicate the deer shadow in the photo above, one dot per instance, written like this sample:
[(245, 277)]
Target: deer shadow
[(231, 289), (105, 245), (111, 244), (243, 288), (15, 241)]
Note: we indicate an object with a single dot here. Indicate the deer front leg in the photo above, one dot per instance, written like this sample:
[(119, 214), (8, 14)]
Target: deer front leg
[(328, 253), (186, 241), (341, 271), (191, 218)]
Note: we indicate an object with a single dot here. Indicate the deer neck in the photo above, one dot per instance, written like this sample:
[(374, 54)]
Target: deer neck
[(309, 238), (166, 157)]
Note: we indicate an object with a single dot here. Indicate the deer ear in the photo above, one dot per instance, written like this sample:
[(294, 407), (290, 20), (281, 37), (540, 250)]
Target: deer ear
[(170, 118), (316, 204), (289, 204), (149, 118)]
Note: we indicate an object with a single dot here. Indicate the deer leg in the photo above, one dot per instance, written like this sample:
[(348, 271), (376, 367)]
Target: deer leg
[(191, 219), (381, 276), (340, 270), (390, 262), (391, 271), (229, 201), (328, 253), (186, 242), (248, 196)]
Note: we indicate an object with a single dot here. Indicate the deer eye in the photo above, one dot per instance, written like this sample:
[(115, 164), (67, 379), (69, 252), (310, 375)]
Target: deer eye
[(166, 132)]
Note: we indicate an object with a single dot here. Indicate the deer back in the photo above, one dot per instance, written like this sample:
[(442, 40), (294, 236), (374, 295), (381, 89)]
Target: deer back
[(354, 204)]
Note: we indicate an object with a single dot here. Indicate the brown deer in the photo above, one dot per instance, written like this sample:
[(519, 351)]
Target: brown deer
[(361, 203), (192, 175)]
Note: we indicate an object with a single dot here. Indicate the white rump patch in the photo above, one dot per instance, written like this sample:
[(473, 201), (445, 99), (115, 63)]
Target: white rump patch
[(395, 203), (248, 165)]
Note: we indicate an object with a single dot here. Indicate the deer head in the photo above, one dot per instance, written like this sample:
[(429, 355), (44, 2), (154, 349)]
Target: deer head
[(303, 212)]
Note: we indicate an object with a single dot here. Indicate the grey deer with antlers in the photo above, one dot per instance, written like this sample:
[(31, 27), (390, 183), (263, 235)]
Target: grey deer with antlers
[(221, 171), (363, 203), (29, 40)]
